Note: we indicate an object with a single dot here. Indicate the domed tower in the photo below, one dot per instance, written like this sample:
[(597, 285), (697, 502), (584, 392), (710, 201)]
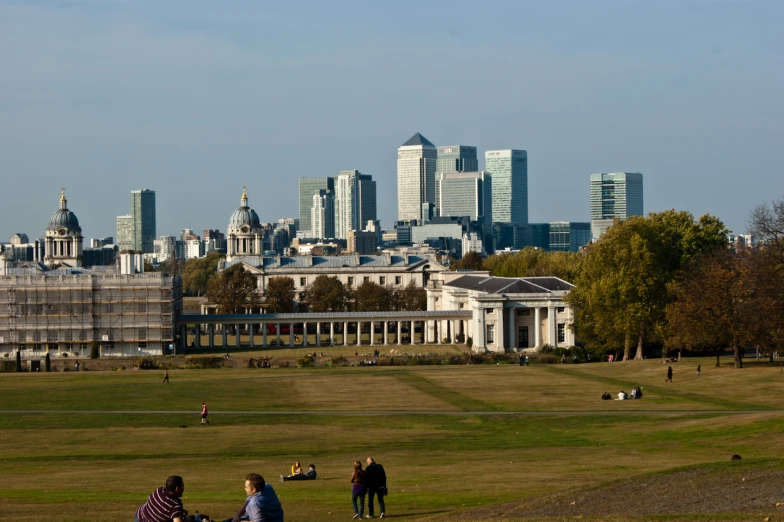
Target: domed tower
[(63, 239), (243, 236)]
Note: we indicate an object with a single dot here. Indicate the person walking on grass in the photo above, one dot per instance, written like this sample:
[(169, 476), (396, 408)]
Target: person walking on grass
[(698, 370), (669, 374), (358, 489), (376, 484), (204, 413), (166, 376)]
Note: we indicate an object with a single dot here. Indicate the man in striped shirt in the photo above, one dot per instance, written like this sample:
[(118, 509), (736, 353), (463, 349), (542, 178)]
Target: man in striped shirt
[(164, 504)]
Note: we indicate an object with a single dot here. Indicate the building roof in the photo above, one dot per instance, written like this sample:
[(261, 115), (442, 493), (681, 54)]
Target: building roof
[(511, 285), (417, 139), (353, 261)]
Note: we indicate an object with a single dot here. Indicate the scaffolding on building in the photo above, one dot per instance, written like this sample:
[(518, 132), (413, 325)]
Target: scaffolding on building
[(64, 311)]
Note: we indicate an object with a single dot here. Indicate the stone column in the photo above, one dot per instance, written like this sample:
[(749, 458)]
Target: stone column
[(304, 334), (197, 343), (372, 335), (224, 335), (399, 336), (250, 335), (537, 327), (512, 328), (291, 335), (331, 333), (237, 331), (318, 333), (264, 335), (345, 333), (386, 333), (437, 331), (277, 334), (211, 333), (552, 329), (499, 330)]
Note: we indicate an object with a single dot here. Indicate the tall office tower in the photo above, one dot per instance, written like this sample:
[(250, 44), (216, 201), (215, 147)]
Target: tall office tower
[(143, 212), (614, 195), (467, 194), (125, 232), (455, 158), (509, 170), (347, 203), (308, 187), (322, 215), (416, 177), (367, 200)]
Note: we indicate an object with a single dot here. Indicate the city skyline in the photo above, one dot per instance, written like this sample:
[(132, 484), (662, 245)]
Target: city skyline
[(92, 102)]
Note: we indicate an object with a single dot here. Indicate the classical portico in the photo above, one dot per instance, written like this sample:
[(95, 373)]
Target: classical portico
[(508, 314)]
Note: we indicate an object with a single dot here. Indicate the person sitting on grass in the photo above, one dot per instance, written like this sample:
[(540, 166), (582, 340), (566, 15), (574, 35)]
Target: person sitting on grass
[(606, 396), (164, 503), (296, 470), (622, 396), (262, 504), (309, 475)]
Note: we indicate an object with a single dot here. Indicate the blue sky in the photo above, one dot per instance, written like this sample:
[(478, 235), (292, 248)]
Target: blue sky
[(195, 99)]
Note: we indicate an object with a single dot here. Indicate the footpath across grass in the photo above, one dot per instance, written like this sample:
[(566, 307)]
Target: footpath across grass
[(99, 442)]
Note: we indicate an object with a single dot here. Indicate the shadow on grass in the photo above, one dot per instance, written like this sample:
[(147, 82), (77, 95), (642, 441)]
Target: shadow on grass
[(443, 393)]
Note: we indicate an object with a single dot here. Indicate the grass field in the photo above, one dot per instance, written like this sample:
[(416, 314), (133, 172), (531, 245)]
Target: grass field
[(456, 441)]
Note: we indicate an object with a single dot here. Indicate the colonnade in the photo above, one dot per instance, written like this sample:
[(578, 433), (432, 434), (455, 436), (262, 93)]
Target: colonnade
[(505, 333), (263, 334)]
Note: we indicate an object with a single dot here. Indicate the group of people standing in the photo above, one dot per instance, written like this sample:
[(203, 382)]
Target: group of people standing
[(371, 481)]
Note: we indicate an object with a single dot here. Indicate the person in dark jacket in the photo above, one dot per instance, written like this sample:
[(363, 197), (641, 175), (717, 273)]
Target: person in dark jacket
[(669, 374), (377, 485)]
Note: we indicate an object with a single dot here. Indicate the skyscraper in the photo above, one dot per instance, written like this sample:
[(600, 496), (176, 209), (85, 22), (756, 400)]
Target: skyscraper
[(509, 170), (346, 203), (467, 194), (125, 232), (416, 177), (614, 195), (322, 215), (143, 217), (307, 188), (367, 200), (454, 158)]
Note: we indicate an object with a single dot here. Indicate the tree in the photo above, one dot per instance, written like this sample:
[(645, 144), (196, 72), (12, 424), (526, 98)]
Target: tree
[(766, 223), (280, 295), (371, 297), (326, 294), (197, 273), (533, 262), (622, 290), (470, 261), (233, 290), (727, 299), (410, 299)]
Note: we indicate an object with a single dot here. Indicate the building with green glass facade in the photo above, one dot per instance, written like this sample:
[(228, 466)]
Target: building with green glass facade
[(509, 170), (307, 188), (614, 195)]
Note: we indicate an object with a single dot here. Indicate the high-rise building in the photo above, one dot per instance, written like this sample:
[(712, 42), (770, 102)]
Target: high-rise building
[(367, 200), (509, 170), (143, 215), (568, 236), (454, 158), (125, 232), (355, 201), (467, 194), (308, 187), (614, 195), (322, 215), (416, 177)]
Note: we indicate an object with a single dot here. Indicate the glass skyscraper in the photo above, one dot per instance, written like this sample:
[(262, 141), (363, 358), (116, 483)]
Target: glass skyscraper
[(509, 170), (569, 236), (614, 195), (307, 188), (143, 217), (454, 158), (416, 177), (466, 194)]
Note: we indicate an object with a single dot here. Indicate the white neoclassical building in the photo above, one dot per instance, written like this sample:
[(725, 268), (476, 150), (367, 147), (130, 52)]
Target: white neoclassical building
[(244, 235), (508, 314)]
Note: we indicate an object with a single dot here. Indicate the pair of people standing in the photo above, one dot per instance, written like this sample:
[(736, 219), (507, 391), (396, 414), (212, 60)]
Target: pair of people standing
[(371, 481)]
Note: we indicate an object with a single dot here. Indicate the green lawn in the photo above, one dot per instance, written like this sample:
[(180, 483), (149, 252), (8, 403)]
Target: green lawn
[(85, 465)]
